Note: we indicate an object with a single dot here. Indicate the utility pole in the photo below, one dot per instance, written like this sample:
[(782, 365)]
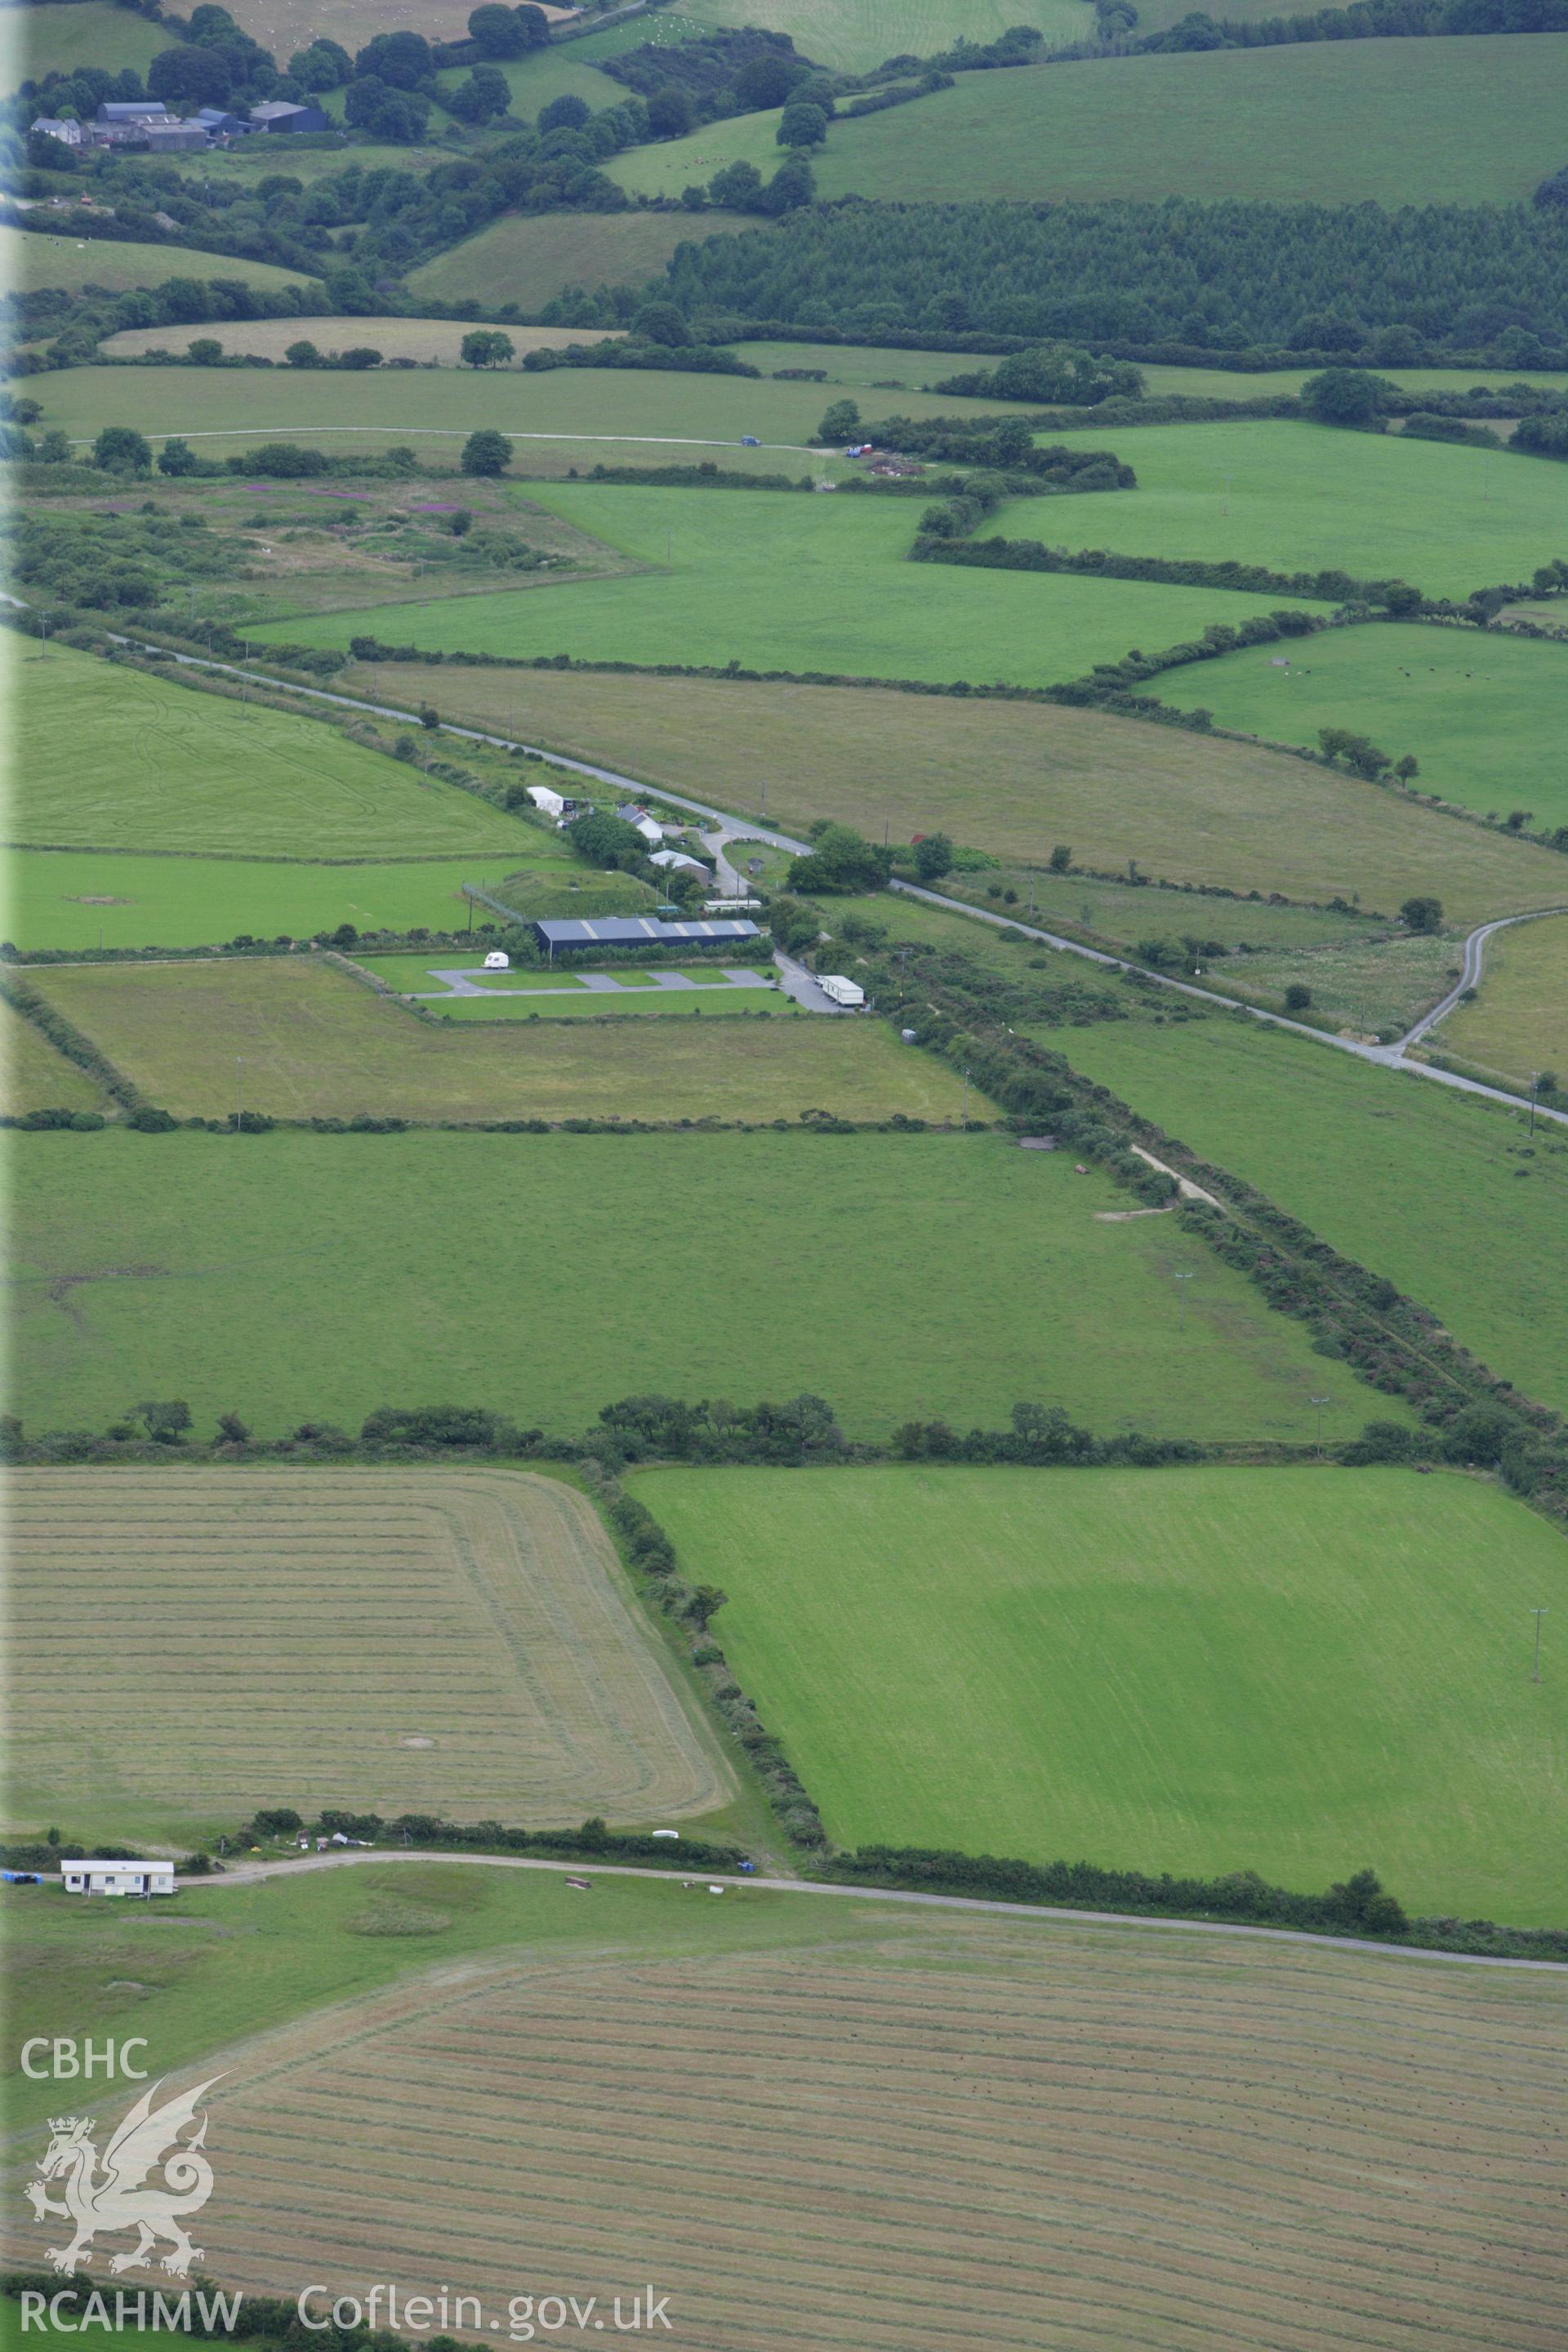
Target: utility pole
[(764, 804), (1534, 1083), (239, 1093), (1538, 1614), (1320, 1402), (966, 1101), (1182, 1294), (44, 635)]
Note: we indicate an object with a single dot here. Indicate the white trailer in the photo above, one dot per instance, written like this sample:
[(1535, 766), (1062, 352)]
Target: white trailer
[(842, 991)]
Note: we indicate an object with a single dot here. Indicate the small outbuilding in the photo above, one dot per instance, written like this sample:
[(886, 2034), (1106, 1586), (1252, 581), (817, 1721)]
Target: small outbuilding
[(109, 1875)]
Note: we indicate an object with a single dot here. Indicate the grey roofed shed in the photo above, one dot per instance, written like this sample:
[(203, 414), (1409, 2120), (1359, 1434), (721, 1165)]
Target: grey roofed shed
[(635, 931)]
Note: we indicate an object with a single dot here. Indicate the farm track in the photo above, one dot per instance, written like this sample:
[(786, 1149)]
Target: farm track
[(458, 1644), (252, 1874), (954, 2135), (739, 828)]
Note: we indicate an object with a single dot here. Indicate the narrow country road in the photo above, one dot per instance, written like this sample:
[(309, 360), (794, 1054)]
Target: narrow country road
[(256, 1873), (1474, 953), (1390, 1057)]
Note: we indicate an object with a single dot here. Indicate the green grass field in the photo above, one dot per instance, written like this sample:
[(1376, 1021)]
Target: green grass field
[(794, 583), (1296, 1672), (528, 262), (1444, 1195), (864, 366), (1297, 497), (1233, 384), (315, 1043), (34, 1076), (113, 758), (113, 898), (431, 341), (1518, 1026), (1483, 714), (288, 1276), (1014, 778), (91, 33), (30, 259), (855, 36), (344, 411), (1328, 123)]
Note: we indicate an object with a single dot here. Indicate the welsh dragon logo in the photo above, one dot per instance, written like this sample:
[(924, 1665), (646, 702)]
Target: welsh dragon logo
[(149, 2180)]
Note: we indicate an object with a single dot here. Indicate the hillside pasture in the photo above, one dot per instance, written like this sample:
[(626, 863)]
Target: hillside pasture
[(285, 25), (529, 260), (1301, 497), (35, 1076), (1482, 712), (1518, 1026), (295, 1276), (842, 2111), (433, 342), (1442, 1194), (450, 1642), (1468, 121), (864, 366), (45, 40), (1199, 1670), (317, 1044), (113, 898), (346, 410), (1014, 778), (856, 36), (779, 581), (1236, 383), (109, 757), (32, 258)]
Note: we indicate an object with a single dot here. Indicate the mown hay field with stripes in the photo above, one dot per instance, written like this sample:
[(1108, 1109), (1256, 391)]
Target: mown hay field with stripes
[(840, 2126), (454, 1642)]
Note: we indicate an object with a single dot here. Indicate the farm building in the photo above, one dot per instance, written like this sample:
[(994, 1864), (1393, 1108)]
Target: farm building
[(67, 133), (219, 123), (649, 827), (560, 805), (107, 1874), (574, 933), (277, 114), (175, 138), (669, 858)]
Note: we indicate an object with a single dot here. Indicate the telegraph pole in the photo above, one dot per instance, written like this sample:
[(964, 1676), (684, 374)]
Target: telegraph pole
[(239, 1093), (1320, 1402), (1538, 1614), (1182, 1294)]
